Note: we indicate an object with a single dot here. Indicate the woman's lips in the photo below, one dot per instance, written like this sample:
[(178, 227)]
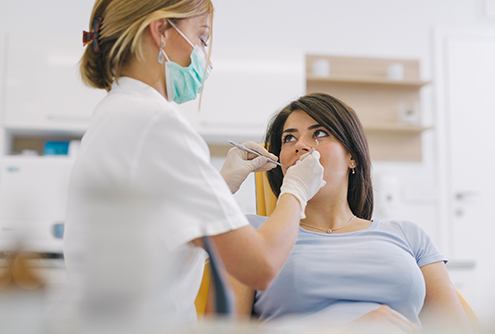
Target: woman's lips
[(292, 164)]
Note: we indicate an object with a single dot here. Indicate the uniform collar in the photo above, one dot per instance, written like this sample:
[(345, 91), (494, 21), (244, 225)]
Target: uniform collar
[(129, 85)]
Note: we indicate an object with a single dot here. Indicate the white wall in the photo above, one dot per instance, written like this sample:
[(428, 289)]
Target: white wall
[(48, 15)]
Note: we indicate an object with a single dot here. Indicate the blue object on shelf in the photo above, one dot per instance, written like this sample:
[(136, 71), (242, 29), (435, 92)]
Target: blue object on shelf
[(58, 230), (56, 147)]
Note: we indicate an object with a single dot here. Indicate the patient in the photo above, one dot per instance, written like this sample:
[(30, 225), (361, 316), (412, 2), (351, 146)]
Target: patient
[(345, 266)]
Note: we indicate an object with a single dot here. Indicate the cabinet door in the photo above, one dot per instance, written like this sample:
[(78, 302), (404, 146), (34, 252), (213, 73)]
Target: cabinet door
[(2, 71), (470, 111), (242, 93), (2, 85), (43, 87)]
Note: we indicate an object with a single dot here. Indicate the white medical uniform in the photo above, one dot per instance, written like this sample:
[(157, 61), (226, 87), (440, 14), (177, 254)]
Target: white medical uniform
[(142, 188)]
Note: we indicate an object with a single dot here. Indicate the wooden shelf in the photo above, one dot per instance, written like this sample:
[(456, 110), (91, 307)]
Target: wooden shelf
[(367, 81), (381, 103)]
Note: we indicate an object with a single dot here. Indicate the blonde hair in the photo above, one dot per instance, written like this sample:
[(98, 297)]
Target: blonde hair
[(120, 35)]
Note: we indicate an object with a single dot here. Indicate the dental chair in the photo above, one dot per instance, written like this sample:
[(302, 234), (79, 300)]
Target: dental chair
[(202, 297), (213, 282)]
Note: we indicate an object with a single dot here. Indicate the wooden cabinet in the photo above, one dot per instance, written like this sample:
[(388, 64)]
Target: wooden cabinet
[(385, 93)]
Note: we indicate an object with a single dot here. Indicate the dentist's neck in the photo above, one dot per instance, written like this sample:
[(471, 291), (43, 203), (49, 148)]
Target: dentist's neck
[(147, 70)]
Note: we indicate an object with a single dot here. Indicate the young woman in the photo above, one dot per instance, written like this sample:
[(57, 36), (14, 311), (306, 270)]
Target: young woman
[(345, 267), (143, 193)]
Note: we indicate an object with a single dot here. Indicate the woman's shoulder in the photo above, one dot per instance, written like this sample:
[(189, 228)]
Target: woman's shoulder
[(135, 105), (131, 94), (410, 232), (403, 228), (128, 111), (418, 241)]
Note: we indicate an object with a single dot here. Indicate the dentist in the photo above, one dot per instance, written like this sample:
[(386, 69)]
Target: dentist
[(143, 193)]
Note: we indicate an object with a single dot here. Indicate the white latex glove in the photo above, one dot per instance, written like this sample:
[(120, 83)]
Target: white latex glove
[(304, 179), (238, 164)]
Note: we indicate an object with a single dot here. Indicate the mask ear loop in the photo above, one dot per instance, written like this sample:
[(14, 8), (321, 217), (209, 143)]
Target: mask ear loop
[(208, 66), (162, 55), (181, 33)]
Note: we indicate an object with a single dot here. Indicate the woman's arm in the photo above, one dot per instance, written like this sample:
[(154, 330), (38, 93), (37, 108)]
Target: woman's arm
[(442, 308), (243, 297), (382, 319)]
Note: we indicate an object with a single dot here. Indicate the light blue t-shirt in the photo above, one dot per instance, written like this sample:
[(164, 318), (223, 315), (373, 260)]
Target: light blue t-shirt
[(343, 276)]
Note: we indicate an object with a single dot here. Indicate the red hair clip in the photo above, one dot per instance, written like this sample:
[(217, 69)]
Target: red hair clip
[(88, 37), (92, 36)]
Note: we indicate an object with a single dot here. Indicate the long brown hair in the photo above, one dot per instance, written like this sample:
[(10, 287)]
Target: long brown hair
[(122, 25), (342, 122)]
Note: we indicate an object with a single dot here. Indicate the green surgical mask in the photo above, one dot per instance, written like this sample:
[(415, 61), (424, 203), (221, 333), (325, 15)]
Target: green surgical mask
[(185, 83)]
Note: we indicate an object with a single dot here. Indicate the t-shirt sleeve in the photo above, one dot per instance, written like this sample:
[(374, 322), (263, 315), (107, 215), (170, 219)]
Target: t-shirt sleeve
[(422, 246), (256, 221), (193, 199)]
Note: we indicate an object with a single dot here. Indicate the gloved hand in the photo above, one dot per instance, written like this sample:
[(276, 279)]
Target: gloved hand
[(238, 164), (304, 179)]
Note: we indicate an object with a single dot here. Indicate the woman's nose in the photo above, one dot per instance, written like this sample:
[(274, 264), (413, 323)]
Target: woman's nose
[(302, 147)]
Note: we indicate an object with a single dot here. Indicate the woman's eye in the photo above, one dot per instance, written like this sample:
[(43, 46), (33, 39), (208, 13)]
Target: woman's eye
[(204, 41), (288, 138), (320, 134)]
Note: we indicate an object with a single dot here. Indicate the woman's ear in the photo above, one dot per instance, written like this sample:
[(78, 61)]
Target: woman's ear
[(159, 32), (352, 162)]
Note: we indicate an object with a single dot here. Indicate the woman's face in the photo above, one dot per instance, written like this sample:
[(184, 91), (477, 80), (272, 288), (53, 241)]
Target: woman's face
[(300, 134), (196, 29)]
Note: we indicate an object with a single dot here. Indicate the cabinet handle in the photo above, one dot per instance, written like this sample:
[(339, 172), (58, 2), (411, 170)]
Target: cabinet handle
[(64, 118), (462, 195)]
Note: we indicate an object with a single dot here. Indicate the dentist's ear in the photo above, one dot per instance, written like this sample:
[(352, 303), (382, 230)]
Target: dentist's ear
[(159, 30)]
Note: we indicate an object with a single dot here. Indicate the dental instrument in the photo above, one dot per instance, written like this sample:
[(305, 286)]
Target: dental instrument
[(246, 149)]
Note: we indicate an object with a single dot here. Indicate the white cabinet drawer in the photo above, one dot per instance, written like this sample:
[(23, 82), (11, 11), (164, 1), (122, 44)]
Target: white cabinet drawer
[(43, 88)]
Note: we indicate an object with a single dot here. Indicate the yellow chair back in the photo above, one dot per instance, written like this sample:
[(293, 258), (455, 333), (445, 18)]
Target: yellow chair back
[(265, 198), (202, 297)]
